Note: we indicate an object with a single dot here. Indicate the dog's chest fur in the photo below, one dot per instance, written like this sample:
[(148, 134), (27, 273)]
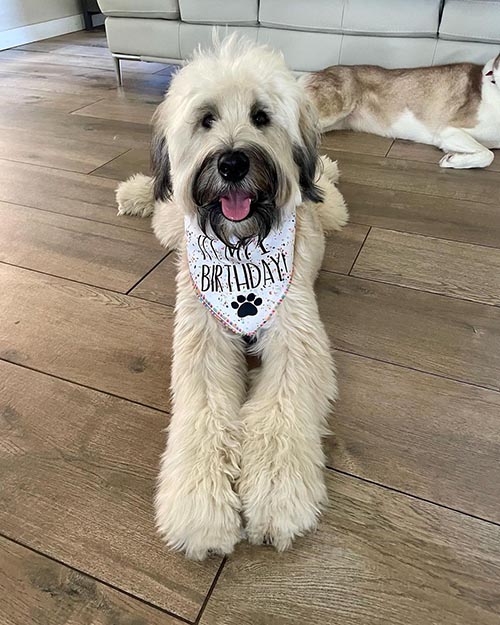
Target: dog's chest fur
[(487, 129)]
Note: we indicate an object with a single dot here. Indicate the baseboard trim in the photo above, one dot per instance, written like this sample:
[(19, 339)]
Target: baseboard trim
[(44, 30)]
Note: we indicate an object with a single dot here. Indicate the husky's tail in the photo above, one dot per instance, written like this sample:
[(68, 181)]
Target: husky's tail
[(332, 210), (135, 196), (330, 169)]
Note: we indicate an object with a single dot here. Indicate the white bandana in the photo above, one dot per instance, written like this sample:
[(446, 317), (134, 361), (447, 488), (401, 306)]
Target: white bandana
[(242, 289)]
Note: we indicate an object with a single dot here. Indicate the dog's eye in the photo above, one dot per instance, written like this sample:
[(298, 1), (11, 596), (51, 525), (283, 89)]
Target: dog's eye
[(208, 120), (260, 118)]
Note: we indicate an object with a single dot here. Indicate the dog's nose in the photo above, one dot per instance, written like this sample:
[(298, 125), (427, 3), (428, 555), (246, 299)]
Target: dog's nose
[(233, 166)]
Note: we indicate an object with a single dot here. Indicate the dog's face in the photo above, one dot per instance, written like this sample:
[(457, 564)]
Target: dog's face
[(235, 141)]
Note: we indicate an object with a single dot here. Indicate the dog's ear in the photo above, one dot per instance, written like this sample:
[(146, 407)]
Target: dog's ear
[(306, 153), (160, 166), (496, 63)]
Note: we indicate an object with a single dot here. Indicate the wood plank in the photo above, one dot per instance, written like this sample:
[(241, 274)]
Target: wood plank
[(130, 96), (95, 253), (341, 250), (118, 134), (78, 80), (411, 151), (78, 476), (104, 340), (95, 37), (35, 589), (379, 558), (424, 331), (63, 192), (455, 269), (425, 178), (435, 438), (159, 285), (144, 85), (64, 48), (10, 58), (62, 102), (447, 218), (55, 83), (55, 151), (100, 77), (356, 142), (121, 109), (136, 160)]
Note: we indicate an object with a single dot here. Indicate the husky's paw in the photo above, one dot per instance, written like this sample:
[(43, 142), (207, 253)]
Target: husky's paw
[(462, 160)]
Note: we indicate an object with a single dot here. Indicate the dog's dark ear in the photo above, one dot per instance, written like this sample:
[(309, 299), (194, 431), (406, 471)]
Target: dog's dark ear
[(306, 153), (160, 166), (496, 63)]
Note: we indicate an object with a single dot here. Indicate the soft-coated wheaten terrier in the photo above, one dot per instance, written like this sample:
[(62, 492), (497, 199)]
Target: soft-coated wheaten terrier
[(239, 190)]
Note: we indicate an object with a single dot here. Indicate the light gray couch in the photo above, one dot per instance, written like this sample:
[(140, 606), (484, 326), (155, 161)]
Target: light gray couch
[(311, 33)]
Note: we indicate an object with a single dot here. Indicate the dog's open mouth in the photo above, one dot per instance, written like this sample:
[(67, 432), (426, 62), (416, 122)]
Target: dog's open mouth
[(236, 205)]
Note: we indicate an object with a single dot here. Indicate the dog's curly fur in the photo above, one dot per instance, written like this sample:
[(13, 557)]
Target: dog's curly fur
[(242, 455)]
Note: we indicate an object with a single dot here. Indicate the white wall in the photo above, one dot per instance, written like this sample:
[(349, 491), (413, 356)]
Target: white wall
[(23, 21)]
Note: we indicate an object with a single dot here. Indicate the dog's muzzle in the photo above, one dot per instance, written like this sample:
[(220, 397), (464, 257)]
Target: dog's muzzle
[(233, 166), (235, 192)]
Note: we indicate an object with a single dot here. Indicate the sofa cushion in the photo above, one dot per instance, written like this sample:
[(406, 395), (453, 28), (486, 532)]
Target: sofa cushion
[(388, 52), (396, 18), (317, 15), (143, 38), (471, 20), (303, 51), (219, 11), (164, 9), (453, 51), (193, 35)]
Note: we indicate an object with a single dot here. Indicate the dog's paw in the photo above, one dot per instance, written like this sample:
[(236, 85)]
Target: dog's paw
[(467, 161), (447, 161), (199, 520), (290, 509)]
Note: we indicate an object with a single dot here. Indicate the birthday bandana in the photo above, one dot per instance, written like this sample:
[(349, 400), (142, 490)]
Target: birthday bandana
[(243, 287)]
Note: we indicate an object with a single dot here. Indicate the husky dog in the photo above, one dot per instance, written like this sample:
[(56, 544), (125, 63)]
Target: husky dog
[(239, 190), (454, 107)]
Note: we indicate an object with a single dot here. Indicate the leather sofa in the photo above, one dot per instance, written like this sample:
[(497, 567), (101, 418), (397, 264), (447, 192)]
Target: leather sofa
[(311, 33)]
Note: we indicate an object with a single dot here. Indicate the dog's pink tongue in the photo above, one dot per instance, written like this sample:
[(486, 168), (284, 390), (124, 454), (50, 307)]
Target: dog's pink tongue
[(236, 205)]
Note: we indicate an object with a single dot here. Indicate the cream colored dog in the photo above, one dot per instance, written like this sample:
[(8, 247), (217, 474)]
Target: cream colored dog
[(235, 147)]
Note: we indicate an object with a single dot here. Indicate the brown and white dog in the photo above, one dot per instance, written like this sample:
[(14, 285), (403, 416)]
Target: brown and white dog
[(454, 107)]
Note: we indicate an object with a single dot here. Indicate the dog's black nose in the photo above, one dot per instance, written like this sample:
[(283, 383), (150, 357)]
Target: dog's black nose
[(233, 166)]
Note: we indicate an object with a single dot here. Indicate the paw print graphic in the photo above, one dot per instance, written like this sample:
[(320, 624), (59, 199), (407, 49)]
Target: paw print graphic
[(247, 306)]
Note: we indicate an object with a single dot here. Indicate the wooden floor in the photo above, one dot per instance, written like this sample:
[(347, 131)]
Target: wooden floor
[(410, 295)]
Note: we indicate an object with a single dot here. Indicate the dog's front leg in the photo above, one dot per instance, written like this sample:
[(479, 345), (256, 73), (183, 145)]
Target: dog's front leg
[(281, 484), (197, 509)]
